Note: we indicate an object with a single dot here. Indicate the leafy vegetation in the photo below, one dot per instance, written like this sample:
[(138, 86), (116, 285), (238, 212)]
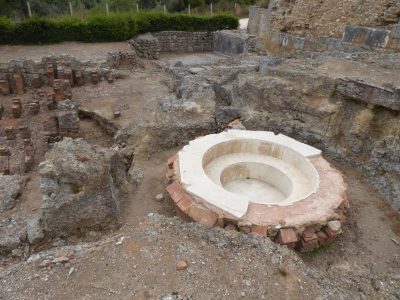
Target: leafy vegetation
[(101, 28), (17, 9)]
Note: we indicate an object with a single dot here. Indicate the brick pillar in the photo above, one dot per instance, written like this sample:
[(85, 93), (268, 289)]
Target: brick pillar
[(34, 107), (4, 87), (50, 129), (36, 81), (24, 132), (29, 154), (51, 103), (10, 133), (50, 73), (58, 95), (1, 111), (16, 108), (19, 83), (4, 161), (68, 76), (80, 80), (95, 77)]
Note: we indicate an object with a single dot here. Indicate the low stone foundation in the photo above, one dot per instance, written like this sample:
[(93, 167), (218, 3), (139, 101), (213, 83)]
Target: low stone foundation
[(233, 42), (228, 42), (373, 37), (150, 45)]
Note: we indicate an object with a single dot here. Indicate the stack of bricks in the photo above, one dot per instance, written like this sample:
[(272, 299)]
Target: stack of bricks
[(50, 73), (24, 132), (62, 89), (29, 153), (95, 77), (51, 101), (19, 82), (16, 108), (40, 93), (80, 80), (36, 81), (68, 76), (68, 119), (1, 111), (110, 78), (4, 161), (50, 129), (299, 239), (65, 74), (10, 133), (4, 87), (187, 206), (34, 107)]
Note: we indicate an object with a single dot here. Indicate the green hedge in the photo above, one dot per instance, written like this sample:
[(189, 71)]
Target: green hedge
[(100, 28)]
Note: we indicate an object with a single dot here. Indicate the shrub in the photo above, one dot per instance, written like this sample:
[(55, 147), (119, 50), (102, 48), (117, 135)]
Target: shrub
[(101, 28), (6, 29)]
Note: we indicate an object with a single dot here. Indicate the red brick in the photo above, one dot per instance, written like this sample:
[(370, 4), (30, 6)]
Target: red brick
[(181, 265), (185, 203), (173, 187), (261, 230), (170, 162), (177, 195), (19, 84), (322, 238), (203, 215), (287, 236), (308, 241), (331, 235)]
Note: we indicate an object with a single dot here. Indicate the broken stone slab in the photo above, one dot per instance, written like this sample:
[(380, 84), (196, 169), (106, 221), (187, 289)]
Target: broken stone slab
[(80, 194), (395, 32), (10, 189), (68, 118), (11, 238), (34, 228), (267, 62), (360, 90), (366, 37)]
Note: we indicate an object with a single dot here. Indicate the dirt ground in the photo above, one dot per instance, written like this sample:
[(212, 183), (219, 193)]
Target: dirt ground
[(365, 259), (82, 51)]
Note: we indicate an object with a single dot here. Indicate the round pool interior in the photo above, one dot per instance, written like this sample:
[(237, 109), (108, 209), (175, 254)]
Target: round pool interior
[(258, 181), (263, 172)]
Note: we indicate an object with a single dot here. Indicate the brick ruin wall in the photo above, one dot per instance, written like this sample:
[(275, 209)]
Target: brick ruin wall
[(18, 75), (322, 18), (184, 42), (35, 109), (150, 45)]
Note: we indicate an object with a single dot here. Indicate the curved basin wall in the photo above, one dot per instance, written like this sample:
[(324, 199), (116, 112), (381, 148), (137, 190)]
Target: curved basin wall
[(274, 164)]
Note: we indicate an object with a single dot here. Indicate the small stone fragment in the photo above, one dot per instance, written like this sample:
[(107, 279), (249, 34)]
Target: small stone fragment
[(181, 265), (334, 226), (45, 263), (61, 259), (159, 197)]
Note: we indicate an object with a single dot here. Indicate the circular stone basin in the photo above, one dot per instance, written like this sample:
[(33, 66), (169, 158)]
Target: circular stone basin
[(260, 171), (261, 182)]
